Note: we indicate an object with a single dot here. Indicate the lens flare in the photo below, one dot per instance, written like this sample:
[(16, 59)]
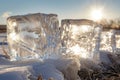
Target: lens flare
[(97, 14)]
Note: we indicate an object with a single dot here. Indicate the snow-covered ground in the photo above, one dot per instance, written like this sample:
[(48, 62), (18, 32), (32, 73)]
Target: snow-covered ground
[(61, 68)]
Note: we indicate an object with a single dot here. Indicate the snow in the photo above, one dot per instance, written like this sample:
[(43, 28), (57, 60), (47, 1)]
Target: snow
[(59, 69)]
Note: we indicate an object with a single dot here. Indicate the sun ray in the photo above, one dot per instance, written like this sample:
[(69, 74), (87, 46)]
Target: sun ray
[(97, 14)]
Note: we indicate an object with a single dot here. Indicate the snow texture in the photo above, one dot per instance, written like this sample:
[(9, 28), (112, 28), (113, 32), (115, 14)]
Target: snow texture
[(58, 69)]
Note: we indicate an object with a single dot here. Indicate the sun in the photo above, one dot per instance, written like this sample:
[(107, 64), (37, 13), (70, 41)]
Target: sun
[(97, 14)]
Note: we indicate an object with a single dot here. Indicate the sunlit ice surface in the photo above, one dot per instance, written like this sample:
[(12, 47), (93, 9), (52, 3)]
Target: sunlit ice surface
[(118, 41), (117, 44), (108, 42), (33, 36), (97, 14), (79, 51), (80, 40), (82, 29), (14, 36)]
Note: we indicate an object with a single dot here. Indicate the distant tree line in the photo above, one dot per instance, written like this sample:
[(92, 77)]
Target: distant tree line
[(110, 24), (3, 28)]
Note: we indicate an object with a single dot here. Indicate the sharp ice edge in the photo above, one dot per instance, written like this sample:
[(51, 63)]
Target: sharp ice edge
[(33, 36)]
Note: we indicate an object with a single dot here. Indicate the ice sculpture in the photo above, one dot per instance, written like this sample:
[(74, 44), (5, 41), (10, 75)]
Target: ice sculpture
[(33, 35), (80, 37)]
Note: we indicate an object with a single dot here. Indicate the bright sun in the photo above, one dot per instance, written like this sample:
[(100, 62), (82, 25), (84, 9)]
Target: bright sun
[(96, 14)]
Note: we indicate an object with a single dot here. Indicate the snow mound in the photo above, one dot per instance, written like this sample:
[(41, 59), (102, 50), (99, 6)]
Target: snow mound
[(58, 69)]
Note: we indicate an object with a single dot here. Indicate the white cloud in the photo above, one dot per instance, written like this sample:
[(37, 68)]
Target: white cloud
[(6, 14)]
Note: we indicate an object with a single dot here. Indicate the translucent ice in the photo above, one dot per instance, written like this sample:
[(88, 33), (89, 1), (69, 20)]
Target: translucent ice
[(81, 37), (117, 37), (109, 40), (32, 35)]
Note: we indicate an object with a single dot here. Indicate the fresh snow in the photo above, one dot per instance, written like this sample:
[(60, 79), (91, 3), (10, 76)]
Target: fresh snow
[(58, 69)]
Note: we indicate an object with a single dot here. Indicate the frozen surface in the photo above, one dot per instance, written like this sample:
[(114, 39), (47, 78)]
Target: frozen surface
[(80, 38), (110, 41), (117, 42), (33, 35), (106, 41)]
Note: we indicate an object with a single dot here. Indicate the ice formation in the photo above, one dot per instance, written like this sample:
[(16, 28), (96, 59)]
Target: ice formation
[(39, 36), (110, 41), (80, 37), (107, 41), (117, 39), (33, 35)]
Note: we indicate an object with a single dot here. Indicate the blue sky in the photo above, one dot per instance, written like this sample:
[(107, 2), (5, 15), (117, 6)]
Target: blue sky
[(74, 9)]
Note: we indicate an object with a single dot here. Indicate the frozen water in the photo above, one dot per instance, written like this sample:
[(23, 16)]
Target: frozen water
[(80, 37), (39, 36), (33, 35), (110, 41), (117, 44), (116, 41), (106, 41)]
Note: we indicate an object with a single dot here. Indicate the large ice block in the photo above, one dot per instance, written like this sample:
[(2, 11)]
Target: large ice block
[(33, 35), (115, 44), (117, 47), (108, 41), (117, 37), (80, 37)]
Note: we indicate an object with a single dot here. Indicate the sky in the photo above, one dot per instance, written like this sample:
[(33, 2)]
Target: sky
[(65, 9)]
